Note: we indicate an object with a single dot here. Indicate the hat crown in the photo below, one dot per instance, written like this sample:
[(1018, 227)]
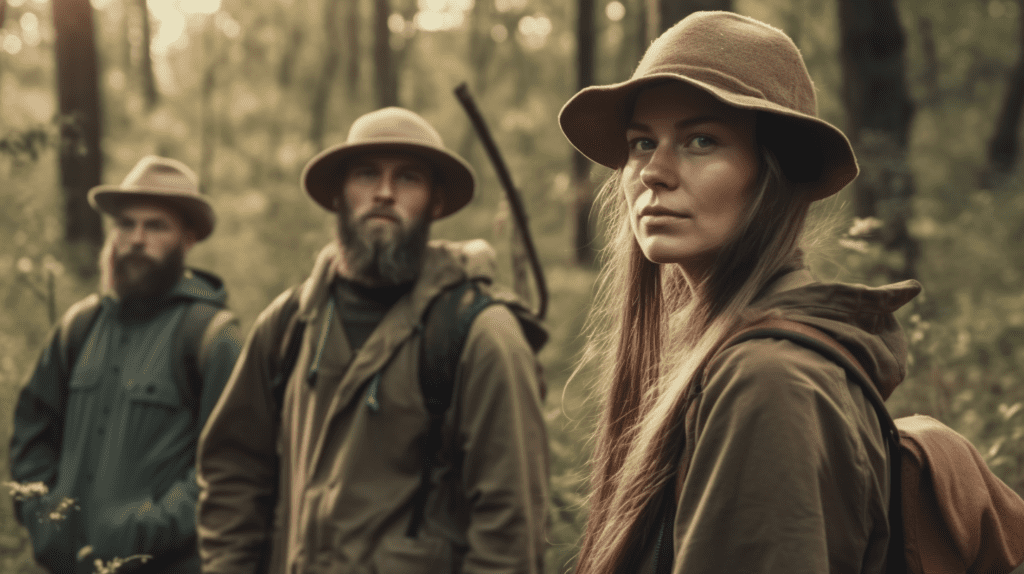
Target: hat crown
[(161, 174), (394, 123), (735, 53)]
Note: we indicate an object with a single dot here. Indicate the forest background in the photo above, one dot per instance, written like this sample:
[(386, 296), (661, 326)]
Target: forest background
[(930, 92)]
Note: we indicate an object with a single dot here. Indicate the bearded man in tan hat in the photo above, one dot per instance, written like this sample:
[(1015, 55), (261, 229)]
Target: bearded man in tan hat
[(111, 415), (376, 422)]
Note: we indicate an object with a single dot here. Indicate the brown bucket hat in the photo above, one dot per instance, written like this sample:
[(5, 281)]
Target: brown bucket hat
[(390, 130), (744, 63), (162, 179)]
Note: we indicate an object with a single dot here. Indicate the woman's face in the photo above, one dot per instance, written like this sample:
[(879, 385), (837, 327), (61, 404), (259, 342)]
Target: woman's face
[(690, 174)]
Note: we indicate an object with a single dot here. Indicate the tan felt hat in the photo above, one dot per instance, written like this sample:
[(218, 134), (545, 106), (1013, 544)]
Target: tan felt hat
[(165, 180), (391, 130), (744, 63)]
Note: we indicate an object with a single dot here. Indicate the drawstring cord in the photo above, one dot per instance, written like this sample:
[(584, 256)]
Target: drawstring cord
[(324, 330)]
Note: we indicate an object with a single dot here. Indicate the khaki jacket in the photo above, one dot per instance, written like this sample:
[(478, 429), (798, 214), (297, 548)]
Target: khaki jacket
[(784, 468), (326, 484)]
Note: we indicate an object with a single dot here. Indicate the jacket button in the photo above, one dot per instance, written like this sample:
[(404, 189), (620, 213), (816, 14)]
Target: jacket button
[(106, 410), (99, 431), (151, 389)]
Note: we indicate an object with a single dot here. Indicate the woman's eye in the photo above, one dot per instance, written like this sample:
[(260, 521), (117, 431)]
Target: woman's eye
[(702, 142), (641, 144)]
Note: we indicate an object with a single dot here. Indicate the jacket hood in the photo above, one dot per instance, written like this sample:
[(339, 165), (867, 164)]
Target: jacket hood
[(199, 285), (194, 285), (859, 317)]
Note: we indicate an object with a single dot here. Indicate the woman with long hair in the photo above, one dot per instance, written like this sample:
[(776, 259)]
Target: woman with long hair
[(760, 456)]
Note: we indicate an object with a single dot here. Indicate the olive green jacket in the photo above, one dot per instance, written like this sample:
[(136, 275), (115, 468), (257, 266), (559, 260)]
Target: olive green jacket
[(784, 468), (326, 484), (118, 433)]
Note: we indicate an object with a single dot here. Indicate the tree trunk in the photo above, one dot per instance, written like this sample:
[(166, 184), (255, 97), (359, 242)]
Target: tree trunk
[(481, 47), (583, 196), (931, 58), (3, 12), (1002, 149), (672, 11), (149, 92), (879, 110), (354, 27), (208, 133), (81, 159), (328, 70), (383, 57)]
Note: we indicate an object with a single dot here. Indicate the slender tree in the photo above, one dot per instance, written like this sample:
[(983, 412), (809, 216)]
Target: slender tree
[(879, 111), (81, 159), (328, 70), (383, 56), (149, 91), (481, 47), (1003, 147), (584, 195), (671, 11), (3, 12), (353, 34)]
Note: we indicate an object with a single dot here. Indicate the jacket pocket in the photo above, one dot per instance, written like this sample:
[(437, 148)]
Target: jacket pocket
[(402, 555), (156, 394)]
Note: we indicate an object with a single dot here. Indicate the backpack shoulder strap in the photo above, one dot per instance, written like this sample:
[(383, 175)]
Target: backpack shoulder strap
[(288, 332), (196, 329), (74, 328), (445, 325)]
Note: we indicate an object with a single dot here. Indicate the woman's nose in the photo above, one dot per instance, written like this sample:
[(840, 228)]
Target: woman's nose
[(662, 170)]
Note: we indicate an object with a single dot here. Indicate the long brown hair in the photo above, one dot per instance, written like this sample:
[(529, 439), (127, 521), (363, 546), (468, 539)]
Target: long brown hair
[(651, 334)]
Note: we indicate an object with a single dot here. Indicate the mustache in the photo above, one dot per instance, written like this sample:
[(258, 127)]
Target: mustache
[(380, 211), (135, 257)]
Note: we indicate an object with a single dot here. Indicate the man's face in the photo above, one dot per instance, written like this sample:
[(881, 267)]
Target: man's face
[(384, 214), (149, 245)]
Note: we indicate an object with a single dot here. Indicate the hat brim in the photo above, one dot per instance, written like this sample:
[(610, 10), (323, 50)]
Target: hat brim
[(321, 176), (196, 209), (811, 152)]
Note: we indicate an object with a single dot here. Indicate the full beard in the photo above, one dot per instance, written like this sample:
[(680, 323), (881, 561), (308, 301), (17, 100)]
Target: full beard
[(382, 255), (138, 276)]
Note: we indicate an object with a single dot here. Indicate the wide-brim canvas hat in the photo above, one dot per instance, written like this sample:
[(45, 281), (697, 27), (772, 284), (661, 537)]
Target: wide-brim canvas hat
[(391, 130), (742, 62), (161, 179)]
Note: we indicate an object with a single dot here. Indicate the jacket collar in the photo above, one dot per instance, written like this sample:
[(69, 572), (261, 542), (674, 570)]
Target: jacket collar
[(445, 263)]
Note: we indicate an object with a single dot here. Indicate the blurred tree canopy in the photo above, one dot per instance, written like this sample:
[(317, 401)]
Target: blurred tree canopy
[(246, 92)]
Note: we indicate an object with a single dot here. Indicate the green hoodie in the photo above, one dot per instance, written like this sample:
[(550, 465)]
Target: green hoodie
[(122, 441)]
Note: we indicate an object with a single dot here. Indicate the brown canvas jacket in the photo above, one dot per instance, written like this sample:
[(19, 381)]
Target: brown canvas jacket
[(784, 468), (329, 488)]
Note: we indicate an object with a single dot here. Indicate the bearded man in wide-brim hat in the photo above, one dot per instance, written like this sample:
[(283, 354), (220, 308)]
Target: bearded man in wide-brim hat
[(111, 415), (317, 462)]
